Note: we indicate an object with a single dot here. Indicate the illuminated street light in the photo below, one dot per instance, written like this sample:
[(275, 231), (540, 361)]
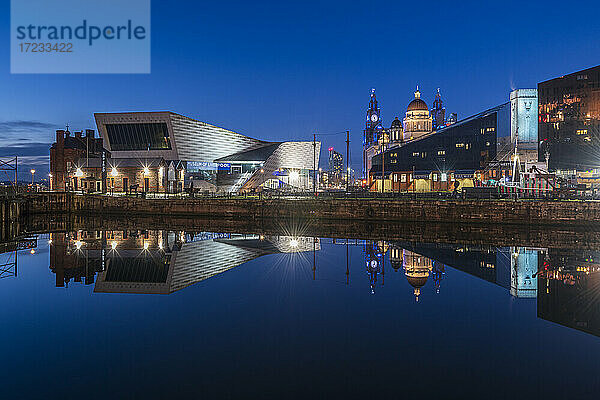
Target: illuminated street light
[(114, 172), (79, 172), (78, 244), (32, 175), (146, 245), (146, 170), (293, 243), (113, 245), (294, 175)]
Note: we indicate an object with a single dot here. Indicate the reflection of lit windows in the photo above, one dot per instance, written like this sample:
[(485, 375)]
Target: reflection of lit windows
[(581, 131), (441, 152), (459, 145), (416, 154)]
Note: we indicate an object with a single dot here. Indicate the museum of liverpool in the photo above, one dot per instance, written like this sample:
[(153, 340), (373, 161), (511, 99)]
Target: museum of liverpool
[(164, 152)]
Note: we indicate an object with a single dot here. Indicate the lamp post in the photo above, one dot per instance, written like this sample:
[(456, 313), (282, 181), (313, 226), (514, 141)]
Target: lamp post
[(32, 175), (50, 180)]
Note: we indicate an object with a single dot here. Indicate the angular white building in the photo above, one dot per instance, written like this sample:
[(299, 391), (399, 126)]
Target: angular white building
[(228, 160)]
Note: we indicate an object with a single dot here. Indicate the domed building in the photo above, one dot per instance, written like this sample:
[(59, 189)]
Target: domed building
[(417, 122), (416, 269), (396, 131)]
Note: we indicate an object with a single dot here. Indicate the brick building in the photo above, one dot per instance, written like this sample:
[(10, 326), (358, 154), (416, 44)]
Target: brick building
[(69, 148)]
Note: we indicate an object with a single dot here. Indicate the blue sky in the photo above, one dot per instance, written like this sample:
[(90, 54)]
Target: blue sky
[(283, 70)]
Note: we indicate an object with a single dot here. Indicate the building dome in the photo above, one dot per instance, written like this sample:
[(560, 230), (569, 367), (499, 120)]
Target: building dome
[(417, 122), (417, 105), (396, 123)]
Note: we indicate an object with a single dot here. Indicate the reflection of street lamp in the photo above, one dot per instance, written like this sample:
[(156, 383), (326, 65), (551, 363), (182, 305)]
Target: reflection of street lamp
[(32, 175)]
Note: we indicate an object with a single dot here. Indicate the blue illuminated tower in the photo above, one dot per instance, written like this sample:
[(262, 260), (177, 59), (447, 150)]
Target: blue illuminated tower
[(372, 133)]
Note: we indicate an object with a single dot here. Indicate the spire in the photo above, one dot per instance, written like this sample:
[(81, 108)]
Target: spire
[(417, 93)]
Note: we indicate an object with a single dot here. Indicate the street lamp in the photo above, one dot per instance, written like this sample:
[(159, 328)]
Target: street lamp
[(32, 175), (50, 178)]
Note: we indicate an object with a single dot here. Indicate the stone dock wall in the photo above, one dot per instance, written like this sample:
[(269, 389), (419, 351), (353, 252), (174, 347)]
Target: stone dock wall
[(572, 213)]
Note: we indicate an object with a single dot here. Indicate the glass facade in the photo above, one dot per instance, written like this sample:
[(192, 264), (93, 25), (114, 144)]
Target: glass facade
[(569, 121), (139, 136)]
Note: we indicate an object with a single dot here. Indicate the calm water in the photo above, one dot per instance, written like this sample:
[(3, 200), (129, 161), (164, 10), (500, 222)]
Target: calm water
[(164, 314)]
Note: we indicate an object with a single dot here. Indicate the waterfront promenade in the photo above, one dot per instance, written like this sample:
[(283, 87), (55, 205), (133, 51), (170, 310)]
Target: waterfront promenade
[(506, 212)]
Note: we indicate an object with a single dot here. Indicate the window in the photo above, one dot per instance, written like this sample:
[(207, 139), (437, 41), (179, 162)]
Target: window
[(444, 177), (441, 152), (416, 154), (581, 131), (149, 136), (403, 178), (395, 178), (435, 177), (459, 145)]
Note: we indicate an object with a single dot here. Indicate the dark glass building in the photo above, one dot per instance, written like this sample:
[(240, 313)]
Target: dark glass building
[(569, 121), (469, 145)]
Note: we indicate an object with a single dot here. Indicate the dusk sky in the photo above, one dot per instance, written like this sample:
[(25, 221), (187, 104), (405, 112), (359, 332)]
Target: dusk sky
[(281, 71)]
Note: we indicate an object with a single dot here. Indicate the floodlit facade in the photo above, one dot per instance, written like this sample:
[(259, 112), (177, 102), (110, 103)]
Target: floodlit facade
[(463, 154), (569, 122), (227, 160)]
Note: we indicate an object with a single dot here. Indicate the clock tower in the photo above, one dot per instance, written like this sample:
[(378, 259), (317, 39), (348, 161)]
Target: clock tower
[(373, 133), (373, 126)]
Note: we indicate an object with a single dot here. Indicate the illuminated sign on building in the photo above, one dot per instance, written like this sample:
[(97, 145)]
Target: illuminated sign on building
[(195, 166)]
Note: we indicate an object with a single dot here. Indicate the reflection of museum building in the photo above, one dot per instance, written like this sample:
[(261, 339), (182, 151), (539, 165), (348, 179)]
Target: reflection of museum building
[(161, 152), (158, 262)]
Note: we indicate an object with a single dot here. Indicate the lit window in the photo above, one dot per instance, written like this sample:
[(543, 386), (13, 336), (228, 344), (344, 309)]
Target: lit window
[(416, 154), (403, 178), (582, 131), (441, 152), (458, 145)]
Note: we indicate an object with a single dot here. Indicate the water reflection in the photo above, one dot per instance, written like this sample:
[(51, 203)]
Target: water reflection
[(565, 283), (158, 262)]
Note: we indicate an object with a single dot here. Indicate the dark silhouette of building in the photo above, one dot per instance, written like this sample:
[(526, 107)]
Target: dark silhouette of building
[(569, 121), (438, 111)]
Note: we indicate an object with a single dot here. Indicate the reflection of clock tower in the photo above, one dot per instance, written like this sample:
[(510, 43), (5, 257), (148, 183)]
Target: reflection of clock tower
[(373, 132)]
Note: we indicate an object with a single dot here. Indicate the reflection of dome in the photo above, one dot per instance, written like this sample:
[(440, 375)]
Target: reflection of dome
[(417, 105), (396, 257), (416, 270), (417, 281)]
